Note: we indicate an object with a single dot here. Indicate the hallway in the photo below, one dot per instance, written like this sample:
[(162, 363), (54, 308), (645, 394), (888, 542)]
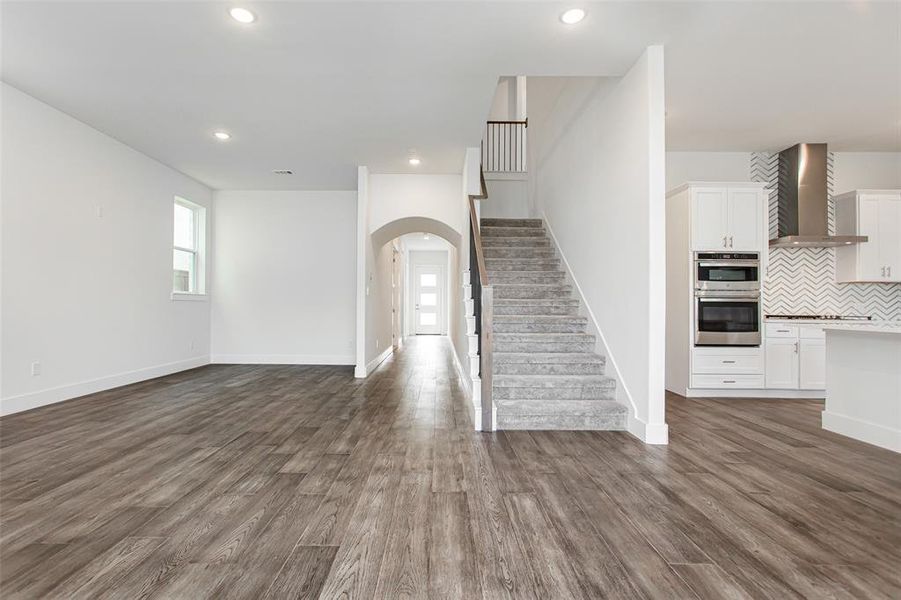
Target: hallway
[(289, 481)]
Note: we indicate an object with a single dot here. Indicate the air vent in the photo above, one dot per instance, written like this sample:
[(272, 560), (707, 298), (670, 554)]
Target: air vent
[(283, 172)]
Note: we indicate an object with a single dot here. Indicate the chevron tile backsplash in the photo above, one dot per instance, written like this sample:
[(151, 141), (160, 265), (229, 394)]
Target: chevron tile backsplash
[(802, 280)]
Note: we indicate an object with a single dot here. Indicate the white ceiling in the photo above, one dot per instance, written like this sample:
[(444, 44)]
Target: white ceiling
[(322, 87)]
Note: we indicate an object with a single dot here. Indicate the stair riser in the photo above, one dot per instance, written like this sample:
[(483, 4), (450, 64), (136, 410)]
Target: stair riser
[(524, 252), (510, 277), (498, 266), (560, 422), (487, 222), (588, 392), (487, 232), (502, 242), (531, 291), (543, 347), (548, 369), (536, 310), (539, 327)]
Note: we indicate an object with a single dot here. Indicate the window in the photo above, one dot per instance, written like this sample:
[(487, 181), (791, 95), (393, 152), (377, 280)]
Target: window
[(189, 225)]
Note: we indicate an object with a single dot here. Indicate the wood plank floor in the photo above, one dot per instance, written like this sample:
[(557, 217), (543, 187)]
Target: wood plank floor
[(303, 482)]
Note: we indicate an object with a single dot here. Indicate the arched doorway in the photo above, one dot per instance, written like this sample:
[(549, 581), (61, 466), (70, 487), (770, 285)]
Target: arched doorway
[(390, 290)]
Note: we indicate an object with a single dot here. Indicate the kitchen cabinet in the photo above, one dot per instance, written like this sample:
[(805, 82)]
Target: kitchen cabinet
[(727, 217), (795, 357), (877, 215), (812, 365), (782, 363)]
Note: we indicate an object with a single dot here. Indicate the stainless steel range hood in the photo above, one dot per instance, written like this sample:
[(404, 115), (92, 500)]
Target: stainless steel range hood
[(803, 201)]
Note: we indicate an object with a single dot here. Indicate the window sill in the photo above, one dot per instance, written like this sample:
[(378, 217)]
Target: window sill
[(188, 297)]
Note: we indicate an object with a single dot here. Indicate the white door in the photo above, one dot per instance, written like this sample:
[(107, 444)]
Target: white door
[(812, 365), (870, 265), (782, 363), (708, 219), (745, 214), (428, 299), (890, 237)]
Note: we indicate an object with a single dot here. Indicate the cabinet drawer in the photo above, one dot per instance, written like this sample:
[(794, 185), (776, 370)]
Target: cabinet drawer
[(812, 332), (729, 363), (727, 381), (779, 330)]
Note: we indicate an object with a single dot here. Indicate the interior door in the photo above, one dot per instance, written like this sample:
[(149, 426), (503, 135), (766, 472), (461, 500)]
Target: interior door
[(708, 216), (428, 299), (745, 220)]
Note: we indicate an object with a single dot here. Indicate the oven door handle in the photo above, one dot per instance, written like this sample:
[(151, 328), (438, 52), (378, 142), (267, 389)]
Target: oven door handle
[(745, 299), (731, 263)]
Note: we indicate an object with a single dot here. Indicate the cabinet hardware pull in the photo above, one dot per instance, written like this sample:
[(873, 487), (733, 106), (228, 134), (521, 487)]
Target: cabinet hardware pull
[(796, 347), (728, 362), (724, 246), (728, 381), (730, 241), (889, 271), (783, 331), (883, 271)]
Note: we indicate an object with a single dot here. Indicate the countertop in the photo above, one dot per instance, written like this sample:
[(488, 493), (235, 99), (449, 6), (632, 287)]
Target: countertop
[(890, 327)]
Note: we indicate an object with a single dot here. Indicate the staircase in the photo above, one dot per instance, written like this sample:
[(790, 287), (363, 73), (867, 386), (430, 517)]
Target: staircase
[(546, 374)]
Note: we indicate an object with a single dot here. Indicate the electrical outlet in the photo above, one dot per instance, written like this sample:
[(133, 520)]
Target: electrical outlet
[(35, 369), (99, 210)]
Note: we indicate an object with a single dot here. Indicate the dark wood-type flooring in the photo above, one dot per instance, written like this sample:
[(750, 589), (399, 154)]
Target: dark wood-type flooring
[(302, 482)]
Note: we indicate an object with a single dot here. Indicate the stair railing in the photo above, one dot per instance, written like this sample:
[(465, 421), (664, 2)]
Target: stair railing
[(483, 308), (504, 146)]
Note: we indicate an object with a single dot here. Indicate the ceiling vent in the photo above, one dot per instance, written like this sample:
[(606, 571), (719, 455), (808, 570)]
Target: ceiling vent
[(283, 172)]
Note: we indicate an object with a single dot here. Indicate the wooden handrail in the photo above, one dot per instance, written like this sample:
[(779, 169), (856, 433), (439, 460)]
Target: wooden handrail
[(485, 312)]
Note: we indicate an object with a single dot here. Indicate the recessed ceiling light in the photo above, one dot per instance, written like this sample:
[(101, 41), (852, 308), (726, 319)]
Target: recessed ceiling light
[(222, 135), (242, 15), (572, 16), (414, 161)]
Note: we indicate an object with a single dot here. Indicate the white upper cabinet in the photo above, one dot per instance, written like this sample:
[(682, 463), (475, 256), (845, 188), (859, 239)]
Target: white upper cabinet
[(877, 215), (745, 210), (727, 218), (709, 220)]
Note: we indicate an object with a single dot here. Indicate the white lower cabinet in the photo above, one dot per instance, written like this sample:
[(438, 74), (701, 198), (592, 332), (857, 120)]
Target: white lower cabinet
[(812, 365), (727, 367), (782, 363), (795, 357)]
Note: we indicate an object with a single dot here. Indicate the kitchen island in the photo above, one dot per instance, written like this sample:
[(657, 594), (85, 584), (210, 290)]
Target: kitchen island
[(863, 383)]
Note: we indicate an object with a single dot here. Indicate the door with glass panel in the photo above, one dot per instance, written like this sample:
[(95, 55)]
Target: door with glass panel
[(428, 299)]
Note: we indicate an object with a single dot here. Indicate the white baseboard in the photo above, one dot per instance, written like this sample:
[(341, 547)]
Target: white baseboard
[(755, 393), (871, 433), (283, 359), (649, 433), (373, 364), (22, 402)]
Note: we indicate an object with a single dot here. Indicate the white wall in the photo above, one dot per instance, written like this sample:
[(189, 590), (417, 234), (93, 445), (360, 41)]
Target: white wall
[(393, 197), (599, 178), (851, 170), (87, 261), (378, 305), (508, 198), (866, 170), (283, 278), (706, 166)]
